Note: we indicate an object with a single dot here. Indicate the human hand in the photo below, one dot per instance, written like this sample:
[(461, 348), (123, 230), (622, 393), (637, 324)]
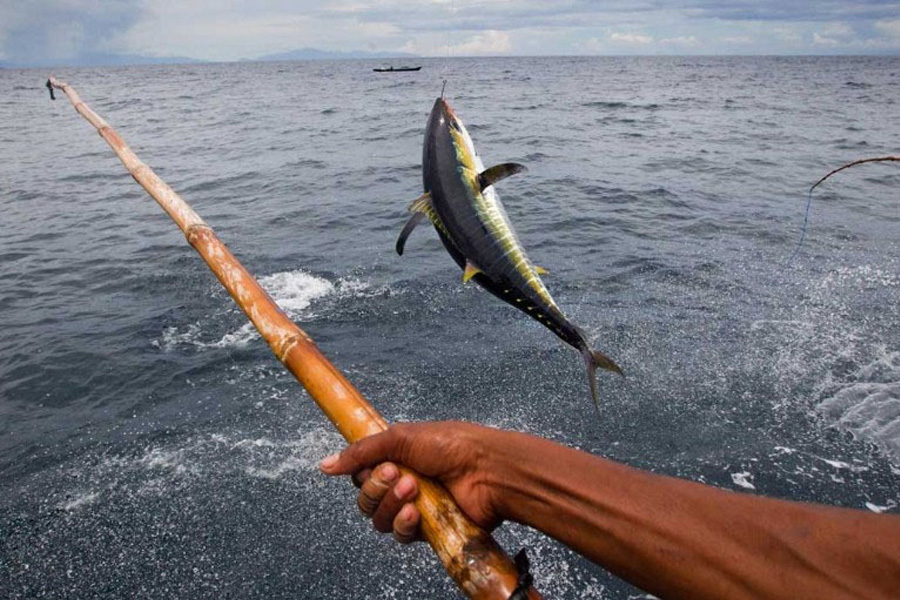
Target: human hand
[(457, 454)]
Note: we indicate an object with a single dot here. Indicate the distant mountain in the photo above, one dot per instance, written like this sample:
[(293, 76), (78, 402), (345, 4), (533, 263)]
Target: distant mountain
[(96, 60), (316, 54), (116, 60)]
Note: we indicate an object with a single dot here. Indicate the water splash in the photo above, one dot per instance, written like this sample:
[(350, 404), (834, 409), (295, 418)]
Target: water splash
[(295, 292)]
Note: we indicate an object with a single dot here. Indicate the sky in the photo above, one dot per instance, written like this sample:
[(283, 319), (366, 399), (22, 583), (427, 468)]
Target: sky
[(223, 30)]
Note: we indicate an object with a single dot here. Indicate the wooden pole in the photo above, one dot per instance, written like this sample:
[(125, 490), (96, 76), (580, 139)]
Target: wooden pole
[(472, 558), (853, 164)]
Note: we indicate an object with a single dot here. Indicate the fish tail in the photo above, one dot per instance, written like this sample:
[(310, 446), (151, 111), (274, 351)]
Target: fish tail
[(592, 360)]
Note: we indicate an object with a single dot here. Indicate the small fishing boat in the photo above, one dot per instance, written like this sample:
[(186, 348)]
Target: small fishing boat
[(393, 69)]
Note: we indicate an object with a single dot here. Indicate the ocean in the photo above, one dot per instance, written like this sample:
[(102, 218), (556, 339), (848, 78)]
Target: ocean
[(151, 446)]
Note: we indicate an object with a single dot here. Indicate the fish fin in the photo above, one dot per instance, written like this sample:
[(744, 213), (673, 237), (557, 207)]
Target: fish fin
[(489, 177), (407, 229), (604, 362), (422, 204), (540, 270), (470, 272), (592, 360)]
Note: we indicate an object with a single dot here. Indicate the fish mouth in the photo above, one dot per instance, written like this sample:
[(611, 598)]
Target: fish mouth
[(446, 112)]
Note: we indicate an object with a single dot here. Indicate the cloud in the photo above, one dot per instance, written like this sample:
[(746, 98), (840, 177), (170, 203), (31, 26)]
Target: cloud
[(737, 40), (889, 28), (479, 44), (489, 42), (484, 15), (59, 30), (788, 34), (793, 10), (638, 39), (833, 35), (821, 40), (631, 38), (234, 29), (838, 30), (221, 31), (683, 40)]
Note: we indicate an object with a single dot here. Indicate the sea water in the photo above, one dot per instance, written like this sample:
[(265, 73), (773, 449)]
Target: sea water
[(152, 447)]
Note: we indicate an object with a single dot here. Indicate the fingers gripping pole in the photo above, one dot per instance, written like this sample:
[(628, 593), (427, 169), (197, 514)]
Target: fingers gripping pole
[(475, 562)]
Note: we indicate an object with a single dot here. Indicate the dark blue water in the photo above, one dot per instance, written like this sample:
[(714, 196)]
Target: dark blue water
[(152, 447)]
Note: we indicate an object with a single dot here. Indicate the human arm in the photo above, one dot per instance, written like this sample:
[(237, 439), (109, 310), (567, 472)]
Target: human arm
[(671, 537)]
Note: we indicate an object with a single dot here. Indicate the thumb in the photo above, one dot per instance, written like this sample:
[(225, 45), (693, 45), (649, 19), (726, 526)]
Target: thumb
[(367, 452)]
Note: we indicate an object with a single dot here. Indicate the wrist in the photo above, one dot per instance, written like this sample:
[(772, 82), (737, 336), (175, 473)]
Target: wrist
[(513, 476)]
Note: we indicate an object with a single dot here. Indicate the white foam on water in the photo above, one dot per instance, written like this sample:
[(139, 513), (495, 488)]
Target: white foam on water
[(166, 459), (742, 479), (875, 508), (291, 463), (78, 501), (293, 291), (273, 460), (237, 339), (861, 276), (839, 464), (158, 470), (173, 337), (251, 444), (819, 346), (867, 404)]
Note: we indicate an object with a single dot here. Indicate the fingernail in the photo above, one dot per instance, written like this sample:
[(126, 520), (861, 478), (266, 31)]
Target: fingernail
[(329, 461), (405, 525), (406, 513), (389, 473), (404, 487)]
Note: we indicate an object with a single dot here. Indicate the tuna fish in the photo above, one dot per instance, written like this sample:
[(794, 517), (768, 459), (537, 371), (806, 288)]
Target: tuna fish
[(461, 202)]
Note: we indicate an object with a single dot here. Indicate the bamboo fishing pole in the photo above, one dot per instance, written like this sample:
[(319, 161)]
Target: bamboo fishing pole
[(853, 164), (471, 556)]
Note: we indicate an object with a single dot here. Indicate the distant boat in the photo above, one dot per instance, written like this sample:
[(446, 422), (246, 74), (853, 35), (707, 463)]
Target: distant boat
[(394, 70)]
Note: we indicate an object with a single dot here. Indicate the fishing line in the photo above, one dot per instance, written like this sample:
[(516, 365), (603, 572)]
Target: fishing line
[(805, 223), (816, 184), (449, 45)]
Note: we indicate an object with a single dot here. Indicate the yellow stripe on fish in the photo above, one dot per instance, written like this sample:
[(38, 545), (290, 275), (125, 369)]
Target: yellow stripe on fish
[(489, 212)]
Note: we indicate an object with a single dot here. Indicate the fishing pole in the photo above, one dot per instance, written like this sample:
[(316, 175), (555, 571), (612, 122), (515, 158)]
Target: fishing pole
[(469, 554)]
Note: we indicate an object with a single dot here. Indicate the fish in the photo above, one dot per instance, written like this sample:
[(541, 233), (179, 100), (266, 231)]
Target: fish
[(461, 202)]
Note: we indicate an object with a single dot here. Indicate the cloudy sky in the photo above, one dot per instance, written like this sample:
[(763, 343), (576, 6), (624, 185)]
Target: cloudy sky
[(65, 30)]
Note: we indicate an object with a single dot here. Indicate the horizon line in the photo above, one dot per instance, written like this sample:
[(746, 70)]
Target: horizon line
[(151, 61)]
